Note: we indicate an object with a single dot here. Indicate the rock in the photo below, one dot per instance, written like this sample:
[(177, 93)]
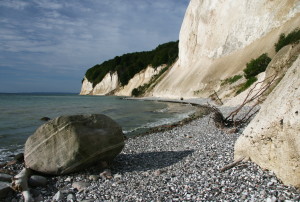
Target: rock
[(45, 119), (94, 177), (281, 61), (71, 143), (117, 176), (272, 138), (58, 196), (5, 177), (71, 197), (106, 174), (80, 186), (39, 198), (4, 189), (69, 179), (19, 157), (157, 173), (232, 130), (37, 181)]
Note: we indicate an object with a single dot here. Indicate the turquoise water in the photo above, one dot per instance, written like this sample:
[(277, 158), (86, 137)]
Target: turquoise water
[(20, 114)]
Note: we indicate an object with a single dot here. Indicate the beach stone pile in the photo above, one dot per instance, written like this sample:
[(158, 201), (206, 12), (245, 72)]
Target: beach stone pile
[(71, 143)]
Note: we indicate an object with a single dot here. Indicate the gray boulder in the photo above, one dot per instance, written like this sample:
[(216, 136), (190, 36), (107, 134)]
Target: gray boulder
[(71, 143), (4, 189), (5, 177)]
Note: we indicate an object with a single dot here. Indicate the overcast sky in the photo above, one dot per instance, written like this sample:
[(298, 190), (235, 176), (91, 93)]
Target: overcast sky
[(47, 45)]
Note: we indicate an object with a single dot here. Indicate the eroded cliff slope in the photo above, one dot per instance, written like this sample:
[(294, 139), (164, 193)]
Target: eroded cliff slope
[(218, 38)]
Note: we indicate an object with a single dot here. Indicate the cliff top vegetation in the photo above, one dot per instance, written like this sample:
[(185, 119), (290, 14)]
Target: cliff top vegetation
[(130, 64)]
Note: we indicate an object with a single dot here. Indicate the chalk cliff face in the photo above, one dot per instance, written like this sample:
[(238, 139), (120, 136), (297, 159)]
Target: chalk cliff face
[(272, 139), (86, 88), (110, 83), (218, 38), (138, 80)]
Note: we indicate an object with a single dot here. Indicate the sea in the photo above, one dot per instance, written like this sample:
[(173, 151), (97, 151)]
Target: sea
[(20, 114)]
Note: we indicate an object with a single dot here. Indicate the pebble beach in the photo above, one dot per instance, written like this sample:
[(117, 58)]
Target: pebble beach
[(181, 164)]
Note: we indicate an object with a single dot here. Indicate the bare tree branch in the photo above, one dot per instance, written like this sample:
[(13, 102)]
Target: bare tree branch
[(230, 120)]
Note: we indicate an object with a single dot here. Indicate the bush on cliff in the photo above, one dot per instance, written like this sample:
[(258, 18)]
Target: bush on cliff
[(283, 40), (139, 91), (246, 85), (253, 68), (231, 80), (130, 64), (256, 66)]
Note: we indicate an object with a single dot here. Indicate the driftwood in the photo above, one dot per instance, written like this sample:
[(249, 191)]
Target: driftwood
[(229, 166), (7, 171), (20, 184), (231, 120), (8, 163)]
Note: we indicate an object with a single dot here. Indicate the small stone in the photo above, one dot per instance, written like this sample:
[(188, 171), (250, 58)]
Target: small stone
[(157, 173), (58, 196), (273, 199), (35, 192), (80, 186), (37, 181), (4, 189), (94, 177), (106, 174), (5, 177), (117, 176), (39, 198), (68, 179), (232, 130), (19, 157), (71, 197), (263, 193), (45, 119), (146, 174)]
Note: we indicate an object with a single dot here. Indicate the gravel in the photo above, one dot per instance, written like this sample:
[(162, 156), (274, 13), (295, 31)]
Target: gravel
[(182, 164)]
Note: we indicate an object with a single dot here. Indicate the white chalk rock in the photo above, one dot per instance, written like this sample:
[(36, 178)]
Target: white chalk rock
[(272, 139)]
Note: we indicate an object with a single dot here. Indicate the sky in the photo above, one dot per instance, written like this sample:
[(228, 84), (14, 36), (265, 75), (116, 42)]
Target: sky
[(47, 45)]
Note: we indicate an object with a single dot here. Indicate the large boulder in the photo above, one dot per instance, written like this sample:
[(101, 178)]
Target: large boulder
[(272, 139), (71, 143)]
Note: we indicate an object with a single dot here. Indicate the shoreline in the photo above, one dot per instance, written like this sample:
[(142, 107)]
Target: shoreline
[(180, 164), (201, 111)]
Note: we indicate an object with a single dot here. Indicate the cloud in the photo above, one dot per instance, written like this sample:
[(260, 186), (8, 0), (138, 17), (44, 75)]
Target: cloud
[(14, 4), (46, 4), (56, 36)]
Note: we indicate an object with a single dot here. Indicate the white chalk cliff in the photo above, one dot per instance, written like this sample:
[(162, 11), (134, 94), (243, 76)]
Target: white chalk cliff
[(110, 83), (272, 139), (217, 39), (138, 80)]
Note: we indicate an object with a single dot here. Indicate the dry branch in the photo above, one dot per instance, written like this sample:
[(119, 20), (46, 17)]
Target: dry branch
[(20, 184), (232, 164), (231, 120), (9, 163)]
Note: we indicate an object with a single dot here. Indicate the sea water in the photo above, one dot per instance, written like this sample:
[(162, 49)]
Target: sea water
[(20, 114)]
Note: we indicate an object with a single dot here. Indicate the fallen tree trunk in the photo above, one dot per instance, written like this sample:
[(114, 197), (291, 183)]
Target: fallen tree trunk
[(20, 184)]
